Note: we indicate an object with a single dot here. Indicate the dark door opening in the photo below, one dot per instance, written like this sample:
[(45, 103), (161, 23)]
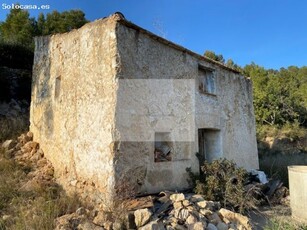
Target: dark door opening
[(209, 145)]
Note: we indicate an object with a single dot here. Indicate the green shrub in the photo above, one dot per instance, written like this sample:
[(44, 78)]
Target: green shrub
[(294, 131), (222, 181), (264, 131)]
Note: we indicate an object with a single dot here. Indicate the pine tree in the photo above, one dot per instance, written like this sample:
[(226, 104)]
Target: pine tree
[(18, 28)]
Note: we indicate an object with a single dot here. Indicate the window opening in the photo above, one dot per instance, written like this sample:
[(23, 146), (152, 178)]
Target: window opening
[(163, 147), (57, 87), (206, 81)]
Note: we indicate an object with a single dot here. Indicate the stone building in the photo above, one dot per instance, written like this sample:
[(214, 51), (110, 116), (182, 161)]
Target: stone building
[(117, 109)]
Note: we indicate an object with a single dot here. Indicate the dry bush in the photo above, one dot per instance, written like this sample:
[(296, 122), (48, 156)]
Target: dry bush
[(222, 181)]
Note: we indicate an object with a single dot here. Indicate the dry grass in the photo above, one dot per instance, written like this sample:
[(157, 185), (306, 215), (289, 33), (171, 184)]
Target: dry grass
[(10, 173), (280, 219), (41, 211), (29, 210)]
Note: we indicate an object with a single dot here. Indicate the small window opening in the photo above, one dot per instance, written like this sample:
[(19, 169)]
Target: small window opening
[(206, 81), (57, 87), (163, 147)]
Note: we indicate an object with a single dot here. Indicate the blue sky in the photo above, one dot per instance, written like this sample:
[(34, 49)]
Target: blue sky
[(270, 33)]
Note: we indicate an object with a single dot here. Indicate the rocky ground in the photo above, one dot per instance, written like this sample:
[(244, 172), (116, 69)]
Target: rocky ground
[(167, 210), (28, 154)]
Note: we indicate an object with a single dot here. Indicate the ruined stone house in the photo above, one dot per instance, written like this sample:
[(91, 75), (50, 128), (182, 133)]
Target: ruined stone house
[(118, 109)]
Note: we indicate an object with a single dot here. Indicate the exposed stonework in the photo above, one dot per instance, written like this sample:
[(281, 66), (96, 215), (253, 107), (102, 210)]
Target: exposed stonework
[(104, 94)]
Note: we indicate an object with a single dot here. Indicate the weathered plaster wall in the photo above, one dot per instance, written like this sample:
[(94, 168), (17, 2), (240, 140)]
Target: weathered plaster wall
[(158, 92), (155, 94), (237, 119), (73, 106), (231, 112)]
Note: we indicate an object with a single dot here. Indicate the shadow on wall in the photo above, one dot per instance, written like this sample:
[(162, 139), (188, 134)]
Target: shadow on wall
[(42, 87)]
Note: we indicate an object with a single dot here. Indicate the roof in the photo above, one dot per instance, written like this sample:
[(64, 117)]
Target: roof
[(119, 17)]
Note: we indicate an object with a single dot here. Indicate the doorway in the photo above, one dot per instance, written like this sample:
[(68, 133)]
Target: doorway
[(209, 145)]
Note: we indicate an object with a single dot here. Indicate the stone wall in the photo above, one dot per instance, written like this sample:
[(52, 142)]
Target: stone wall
[(73, 106)]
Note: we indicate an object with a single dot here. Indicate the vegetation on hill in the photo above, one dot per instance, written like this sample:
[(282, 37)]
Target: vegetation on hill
[(280, 100), (19, 28)]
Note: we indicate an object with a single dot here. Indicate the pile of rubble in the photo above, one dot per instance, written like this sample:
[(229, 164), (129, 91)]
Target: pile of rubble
[(186, 211), (172, 211), (27, 153)]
